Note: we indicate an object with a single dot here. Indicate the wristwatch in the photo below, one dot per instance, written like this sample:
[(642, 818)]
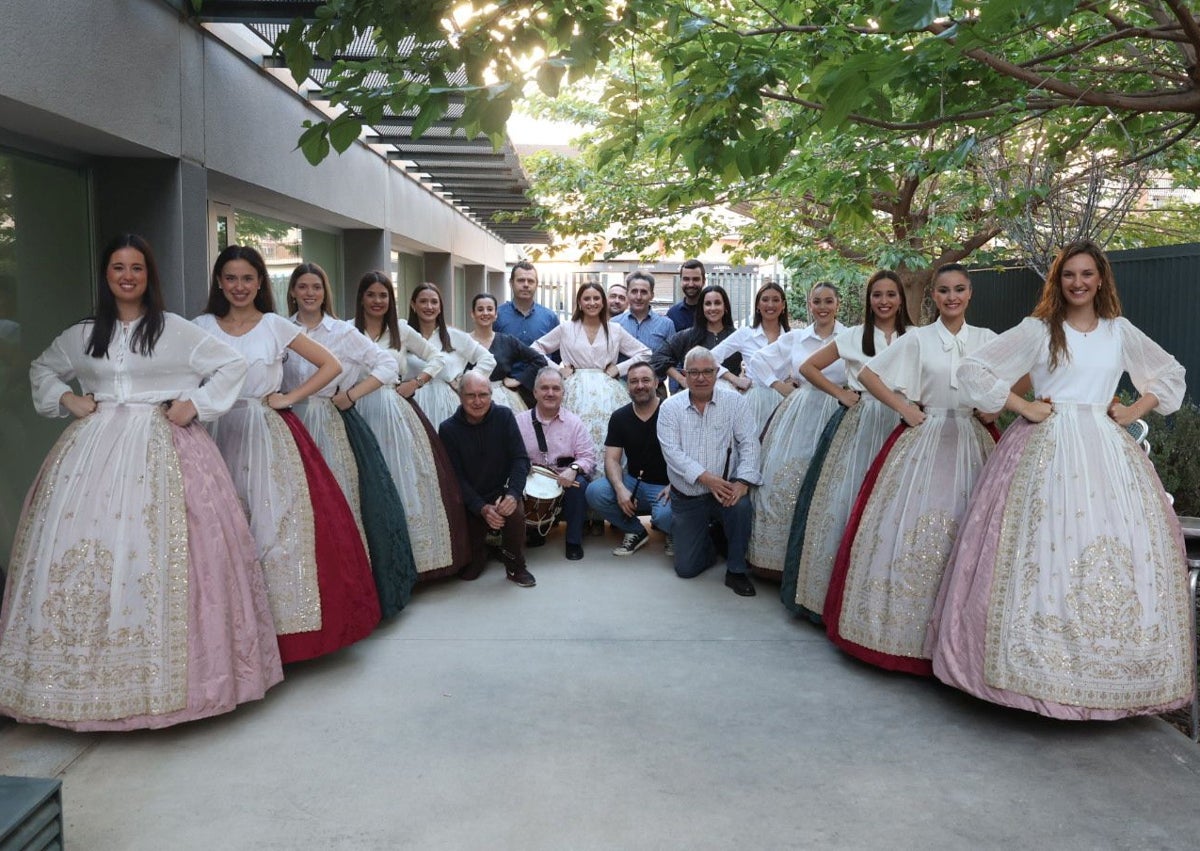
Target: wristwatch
[(576, 468)]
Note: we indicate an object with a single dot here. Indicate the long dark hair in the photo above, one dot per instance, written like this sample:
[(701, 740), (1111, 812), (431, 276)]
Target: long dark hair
[(146, 334), (390, 319), (415, 321), (868, 341), (264, 299), (310, 269), (783, 317), (577, 316), (1052, 307), (700, 325)]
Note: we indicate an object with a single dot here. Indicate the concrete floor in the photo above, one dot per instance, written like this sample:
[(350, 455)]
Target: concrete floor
[(614, 706)]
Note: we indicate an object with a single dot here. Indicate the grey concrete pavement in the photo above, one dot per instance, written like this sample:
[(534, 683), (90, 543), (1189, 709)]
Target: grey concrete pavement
[(615, 706)]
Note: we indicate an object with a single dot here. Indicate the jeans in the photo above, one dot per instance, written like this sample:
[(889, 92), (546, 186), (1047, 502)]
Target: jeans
[(694, 551), (602, 499)]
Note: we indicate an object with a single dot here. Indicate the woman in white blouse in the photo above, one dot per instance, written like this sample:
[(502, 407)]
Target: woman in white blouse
[(890, 561), (851, 439), (792, 436), (413, 451), (343, 436), (135, 598), (770, 321), (318, 576), (439, 398), (1066, 594), (589, 347)]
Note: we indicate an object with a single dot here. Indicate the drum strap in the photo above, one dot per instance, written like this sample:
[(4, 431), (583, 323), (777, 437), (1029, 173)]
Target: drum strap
[(539, 433)]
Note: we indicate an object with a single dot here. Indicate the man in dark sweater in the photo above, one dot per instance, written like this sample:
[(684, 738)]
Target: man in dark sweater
[(490, 461)]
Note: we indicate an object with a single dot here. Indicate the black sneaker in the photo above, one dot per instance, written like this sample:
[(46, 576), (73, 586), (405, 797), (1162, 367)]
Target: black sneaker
[(740, 584), (631, 543), (521, 576)]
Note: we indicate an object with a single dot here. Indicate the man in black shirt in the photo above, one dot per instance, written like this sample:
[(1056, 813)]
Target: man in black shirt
[(641, 486), (491, 463)]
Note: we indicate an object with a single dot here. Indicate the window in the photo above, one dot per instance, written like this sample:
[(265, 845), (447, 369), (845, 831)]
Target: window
[(47, 282)]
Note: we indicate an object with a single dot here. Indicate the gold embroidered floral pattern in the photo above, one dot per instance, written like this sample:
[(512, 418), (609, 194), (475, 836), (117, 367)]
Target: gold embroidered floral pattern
[(826, 517), (858, 438), (1087, 609), (97, 624), (329, 433), (428, 525), (907, 531), (787, 449), (290, 562)]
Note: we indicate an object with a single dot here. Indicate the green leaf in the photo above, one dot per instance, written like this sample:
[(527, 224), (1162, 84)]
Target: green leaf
[(909, 15), (343, 131), (431, 110), (314, 142)]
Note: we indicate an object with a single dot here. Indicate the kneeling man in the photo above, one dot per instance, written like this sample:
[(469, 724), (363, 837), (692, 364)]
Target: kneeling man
[(641, 486), (490, 461), (557, 439), (709, 443)]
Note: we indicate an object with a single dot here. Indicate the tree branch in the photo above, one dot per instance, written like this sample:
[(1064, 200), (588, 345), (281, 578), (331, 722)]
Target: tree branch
[(1191, 29), (1185, 101), (1158, 149)]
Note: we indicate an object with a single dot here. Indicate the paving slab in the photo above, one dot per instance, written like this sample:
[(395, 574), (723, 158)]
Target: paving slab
[(615, 706)]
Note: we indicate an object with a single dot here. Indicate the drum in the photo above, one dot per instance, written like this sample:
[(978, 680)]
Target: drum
[(543, 499)]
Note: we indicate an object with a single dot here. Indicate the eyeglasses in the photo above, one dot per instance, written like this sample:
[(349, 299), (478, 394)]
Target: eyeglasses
[(700, 373)]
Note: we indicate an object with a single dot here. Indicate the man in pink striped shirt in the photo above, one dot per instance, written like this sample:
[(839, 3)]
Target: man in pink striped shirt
[(559, 441)]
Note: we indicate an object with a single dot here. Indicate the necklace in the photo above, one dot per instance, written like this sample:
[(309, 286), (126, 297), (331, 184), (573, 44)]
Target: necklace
[(1085, 331)]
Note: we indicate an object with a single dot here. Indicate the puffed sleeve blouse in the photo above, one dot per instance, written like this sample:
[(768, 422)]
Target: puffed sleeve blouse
[(187, 364), (357, 353), (922, 365), (574, 348), (1090, 375), (466, 353), (781, 360), (264, 347), (433, 360), (850, 349)]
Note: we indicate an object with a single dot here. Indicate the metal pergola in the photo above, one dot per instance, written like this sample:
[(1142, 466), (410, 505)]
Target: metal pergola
[(468, 172)]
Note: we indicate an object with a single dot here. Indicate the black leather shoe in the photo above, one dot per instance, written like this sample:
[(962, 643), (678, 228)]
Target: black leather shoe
[(574, 552), (740, 584)]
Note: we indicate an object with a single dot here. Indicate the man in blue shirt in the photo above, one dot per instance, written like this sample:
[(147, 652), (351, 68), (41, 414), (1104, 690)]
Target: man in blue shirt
[(650, 329), (691, 280), (522, 316)]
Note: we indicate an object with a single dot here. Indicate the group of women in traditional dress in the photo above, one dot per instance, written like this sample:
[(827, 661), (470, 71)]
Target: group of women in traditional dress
[(164, 570), (1045, 572)]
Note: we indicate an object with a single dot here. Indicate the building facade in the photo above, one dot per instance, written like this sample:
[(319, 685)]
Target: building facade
[(134, 117)]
